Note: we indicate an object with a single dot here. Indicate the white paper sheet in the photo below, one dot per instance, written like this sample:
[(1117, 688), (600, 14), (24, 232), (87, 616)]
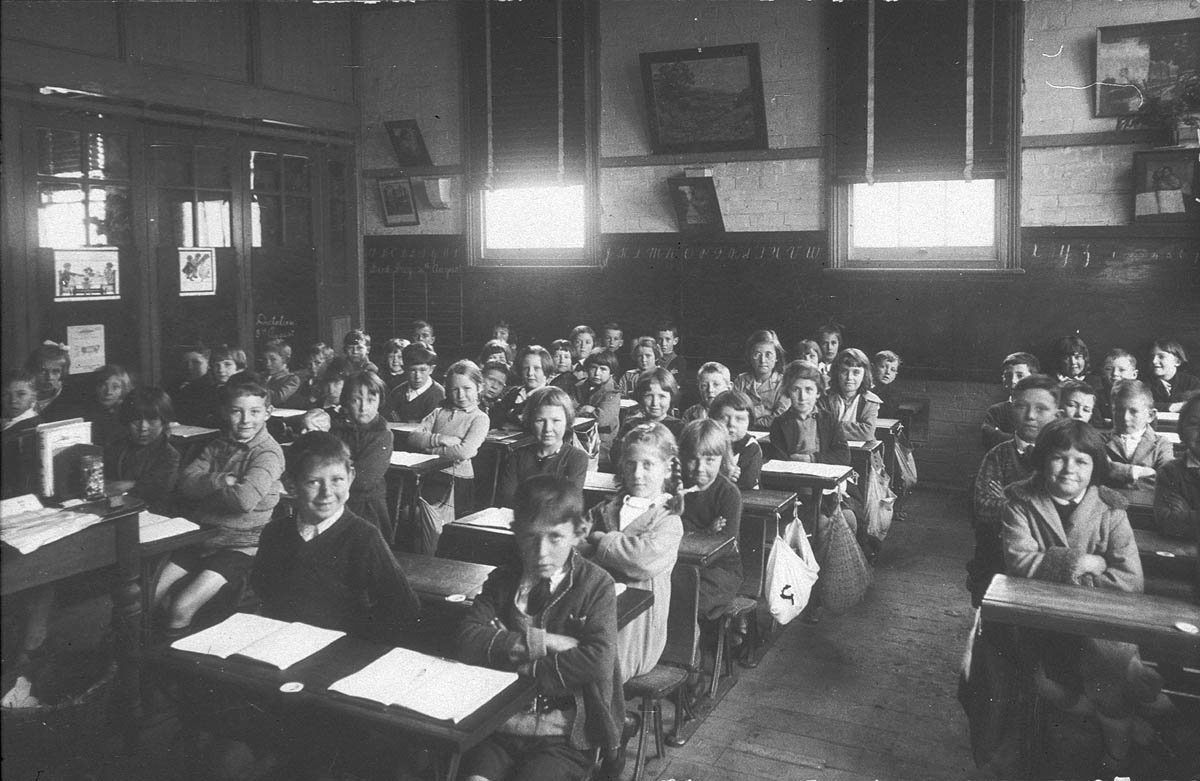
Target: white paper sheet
[(404, 458), (807, 469), (491, 517), (230, 636), (153, 527)]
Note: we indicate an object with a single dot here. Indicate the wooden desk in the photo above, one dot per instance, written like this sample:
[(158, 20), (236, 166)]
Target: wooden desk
[(808, 479), (860, 454), (189, 439), (414, 473), (1167, 423), (598, 486), (700, 550), (1171, 566), (1093, 612), (497, 446), (763, 514), (113, 541), (318, 672), (153, 556)]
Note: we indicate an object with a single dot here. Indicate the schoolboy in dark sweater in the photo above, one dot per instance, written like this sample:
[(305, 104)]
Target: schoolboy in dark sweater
[(329, 567), (418, 395), (553, 618)]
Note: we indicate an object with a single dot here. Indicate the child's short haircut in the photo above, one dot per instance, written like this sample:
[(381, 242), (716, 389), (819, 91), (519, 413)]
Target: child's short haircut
[(733, 400), (1029, 359), (200, 348), (1040, 382), (1070, 387), (1171, 346), (885, 356), (611, 326), (541, 352), (712, 367), (549, 500), (418, 353), (706, 437), (831, 327), (14, 376), (560, 345), (851, 356), (549, 396), (1125, 391), (803, 370), (368, 380), (502, 323), (805, 346), (321, 351), (468, 369), (493, 346), (765, 337), (223, 352), (495, 366), (280, 348), (1116, 354), (356, 336), (146, 404), (234, 390), (656, 376), (582, 329), (112, 371), (1066, 434), (395, 344), (316, 448), (1073, 345), (603, 358), (420, 325), (668, 325), (338, 368), (47, 353), (646, 341)]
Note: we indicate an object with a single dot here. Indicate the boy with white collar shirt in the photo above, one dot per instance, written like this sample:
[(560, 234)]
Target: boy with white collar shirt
[(419, 394), (998, 421), (1134, 450)]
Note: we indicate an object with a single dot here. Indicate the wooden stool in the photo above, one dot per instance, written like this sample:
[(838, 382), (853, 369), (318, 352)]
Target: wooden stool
[(738, 608), (652, 688)]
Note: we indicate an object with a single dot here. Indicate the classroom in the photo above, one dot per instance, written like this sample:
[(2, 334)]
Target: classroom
[(600, 389)]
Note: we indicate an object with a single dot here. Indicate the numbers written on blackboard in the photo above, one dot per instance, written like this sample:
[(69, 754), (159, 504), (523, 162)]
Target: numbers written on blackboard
[(267, 327)]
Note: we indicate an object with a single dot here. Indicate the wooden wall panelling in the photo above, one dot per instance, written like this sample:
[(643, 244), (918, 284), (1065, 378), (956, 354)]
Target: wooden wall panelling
[(204, 38), (89, 28), (306, 49)]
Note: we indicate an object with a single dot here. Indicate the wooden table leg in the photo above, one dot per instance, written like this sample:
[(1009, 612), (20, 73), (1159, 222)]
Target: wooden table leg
[(127, 627)]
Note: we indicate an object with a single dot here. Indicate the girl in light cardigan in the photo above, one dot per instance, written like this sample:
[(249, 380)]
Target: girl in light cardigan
[(454, 430)]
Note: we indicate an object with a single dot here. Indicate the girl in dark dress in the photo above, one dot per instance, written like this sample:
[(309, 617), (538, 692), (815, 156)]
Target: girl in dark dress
[(712, 506), (369, 440)]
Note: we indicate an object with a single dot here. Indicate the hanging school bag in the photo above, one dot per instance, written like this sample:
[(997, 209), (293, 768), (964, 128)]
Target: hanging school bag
[(792, 572), (906, 465), (845, 574), (879, 503)]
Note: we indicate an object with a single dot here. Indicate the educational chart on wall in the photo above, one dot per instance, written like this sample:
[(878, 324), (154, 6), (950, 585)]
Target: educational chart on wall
[(85, 344), (197, 271), (87, 274)]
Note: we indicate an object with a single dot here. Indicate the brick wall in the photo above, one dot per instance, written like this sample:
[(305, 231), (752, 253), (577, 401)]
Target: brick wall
[(948, 449)]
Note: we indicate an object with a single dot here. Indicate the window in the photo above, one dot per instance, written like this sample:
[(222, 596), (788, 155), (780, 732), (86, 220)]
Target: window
[(195, 194), (83, 189), (531, 137), (924, 121)]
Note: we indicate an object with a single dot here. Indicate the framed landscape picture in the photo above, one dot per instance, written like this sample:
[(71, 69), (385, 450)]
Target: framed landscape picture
[(705, 100), (1139, 61), (1166, 183)]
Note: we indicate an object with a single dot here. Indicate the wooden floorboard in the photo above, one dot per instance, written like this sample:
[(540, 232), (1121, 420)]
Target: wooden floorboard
[(868, 694)]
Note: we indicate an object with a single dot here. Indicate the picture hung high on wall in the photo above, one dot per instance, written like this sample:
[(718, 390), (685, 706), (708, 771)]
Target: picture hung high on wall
[(399, 206), (708, 99), (1166, 184), (696, 206), (407, 142), (197, 271), (1138, 62), (87, 274)]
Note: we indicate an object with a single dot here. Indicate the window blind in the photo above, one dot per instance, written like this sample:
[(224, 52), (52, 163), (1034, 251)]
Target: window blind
[(525, 68), (922, 88)]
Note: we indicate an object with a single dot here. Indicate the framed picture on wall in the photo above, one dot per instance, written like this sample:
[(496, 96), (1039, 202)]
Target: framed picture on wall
[(92, 274), (197, 271), (696, 204), (399, 206), (1136, 62), (1166, 184), (705, 100), (407, 142)]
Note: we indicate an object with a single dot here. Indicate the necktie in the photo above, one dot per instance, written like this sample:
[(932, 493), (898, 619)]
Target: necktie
[(538, 597), (1065, 511)]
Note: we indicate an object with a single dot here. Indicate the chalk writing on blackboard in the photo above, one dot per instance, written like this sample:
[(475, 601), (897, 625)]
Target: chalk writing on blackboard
[(267, 327)]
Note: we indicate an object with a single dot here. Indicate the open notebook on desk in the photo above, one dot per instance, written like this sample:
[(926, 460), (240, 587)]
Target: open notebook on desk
[(807, 469), (405, 458), (27, 526), (267, 640), (491, 517), (426, 684), (152, 527)]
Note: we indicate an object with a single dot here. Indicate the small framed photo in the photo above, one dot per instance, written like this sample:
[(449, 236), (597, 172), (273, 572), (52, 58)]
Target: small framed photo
[(1166, 185), (696, 204), (1135, 62), (87, 275), (407, 143), (399, 206), (705, 100), (197, 271)]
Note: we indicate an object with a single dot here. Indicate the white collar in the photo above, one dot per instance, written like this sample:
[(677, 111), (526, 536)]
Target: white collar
[(1133, 437), (1068, 502), (26, 415), (415, 392), (1021, 445), (321, 527), (1192, 462)]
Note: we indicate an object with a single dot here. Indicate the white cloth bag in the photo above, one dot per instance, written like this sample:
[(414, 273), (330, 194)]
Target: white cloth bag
[(792, 572)]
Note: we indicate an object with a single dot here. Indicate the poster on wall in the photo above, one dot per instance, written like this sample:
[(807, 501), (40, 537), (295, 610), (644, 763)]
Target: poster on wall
[(85, 345), (87, 274), (197, 271)]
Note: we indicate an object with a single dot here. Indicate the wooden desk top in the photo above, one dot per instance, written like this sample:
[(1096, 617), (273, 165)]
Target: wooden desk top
[(435, 464), (184, 433), (763, 501), (1167, 422), (167, 544), (1094, 612), (509, 440), (700, 550), (808, 475), (888, 425), (1151, 543), (344, 657), (861, 446), (602, 482)]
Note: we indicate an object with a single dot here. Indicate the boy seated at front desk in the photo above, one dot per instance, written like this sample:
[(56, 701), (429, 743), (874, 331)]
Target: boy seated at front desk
[(554, 618)]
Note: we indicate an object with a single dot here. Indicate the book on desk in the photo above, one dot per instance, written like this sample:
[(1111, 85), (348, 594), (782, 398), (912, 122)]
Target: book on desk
[(277, 643)]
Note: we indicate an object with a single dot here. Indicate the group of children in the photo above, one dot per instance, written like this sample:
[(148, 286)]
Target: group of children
[(553, 614), (1066, 453)]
